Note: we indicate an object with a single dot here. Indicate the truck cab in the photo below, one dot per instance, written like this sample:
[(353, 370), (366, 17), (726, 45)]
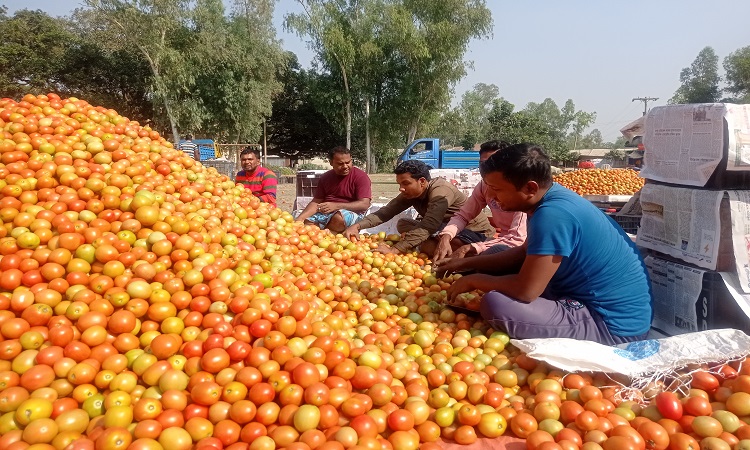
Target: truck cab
[(428, 151)]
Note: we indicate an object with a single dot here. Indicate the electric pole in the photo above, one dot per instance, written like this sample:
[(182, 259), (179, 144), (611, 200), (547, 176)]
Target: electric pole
[(645, 101)]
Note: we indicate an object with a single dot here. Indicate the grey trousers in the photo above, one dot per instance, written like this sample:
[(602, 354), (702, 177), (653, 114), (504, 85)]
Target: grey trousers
[(545, 318)]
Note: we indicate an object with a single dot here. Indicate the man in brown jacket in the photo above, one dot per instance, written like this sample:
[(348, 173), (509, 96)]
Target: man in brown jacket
[(436, 201)]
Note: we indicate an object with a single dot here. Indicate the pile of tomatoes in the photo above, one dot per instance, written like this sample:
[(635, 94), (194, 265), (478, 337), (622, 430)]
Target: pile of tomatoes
[(591, 181), (147, 302)]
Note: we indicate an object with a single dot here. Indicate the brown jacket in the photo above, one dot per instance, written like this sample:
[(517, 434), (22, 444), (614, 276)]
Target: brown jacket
[(436, 206)]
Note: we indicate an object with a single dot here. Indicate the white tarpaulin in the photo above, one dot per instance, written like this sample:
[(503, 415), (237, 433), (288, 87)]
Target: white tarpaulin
[(641, 358)]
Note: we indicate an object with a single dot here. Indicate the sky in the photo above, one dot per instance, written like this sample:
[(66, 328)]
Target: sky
[(599, 53)]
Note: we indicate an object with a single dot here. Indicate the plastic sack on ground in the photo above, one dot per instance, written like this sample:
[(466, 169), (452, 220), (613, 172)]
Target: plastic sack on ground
[(648, 364), (639, 358)]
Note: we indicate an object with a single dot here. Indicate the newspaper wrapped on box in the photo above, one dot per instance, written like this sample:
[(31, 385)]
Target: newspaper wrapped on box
[(704, 145), (707, 228), (688, 298)]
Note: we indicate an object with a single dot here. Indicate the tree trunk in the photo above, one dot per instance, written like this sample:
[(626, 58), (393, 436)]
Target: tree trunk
[(348, 109), (412, 133), (367, 135), (172, 121)]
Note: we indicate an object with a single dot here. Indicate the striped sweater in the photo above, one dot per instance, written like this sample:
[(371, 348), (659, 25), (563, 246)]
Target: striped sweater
[(262, 183)]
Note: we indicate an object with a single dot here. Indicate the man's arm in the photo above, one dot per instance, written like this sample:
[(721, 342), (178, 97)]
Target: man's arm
[(384, 214), (310, 209), (431, 221), (513, 237), (473, 206), (268, 187), (509, 261), (526, 286), (360, 205)]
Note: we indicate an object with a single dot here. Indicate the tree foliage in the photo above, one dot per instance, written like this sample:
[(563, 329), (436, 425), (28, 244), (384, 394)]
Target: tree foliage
[(33, 51), (700, 81), (395, 60), (523, 126), (558, 131), (101, 67), (234, 63), (298, 126), (157, 29), (737, 67)]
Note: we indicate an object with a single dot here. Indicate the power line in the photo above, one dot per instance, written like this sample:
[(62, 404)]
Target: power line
[(645, 101)]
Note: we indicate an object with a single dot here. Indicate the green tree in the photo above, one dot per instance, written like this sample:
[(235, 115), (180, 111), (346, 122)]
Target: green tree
[(102, 68), (32, 54), (448, 128), (618, 143), (592, 140), (234, 62), (737, 67), (433, 45), (523, 126), (327, 25), (396, 58), (156, 28), (565, 125), (700, 81), (475, 108), (298, 127)]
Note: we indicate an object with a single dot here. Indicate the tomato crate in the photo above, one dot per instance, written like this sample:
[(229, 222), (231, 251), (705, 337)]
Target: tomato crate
[(307, 182), (223, 166), (629, 224)]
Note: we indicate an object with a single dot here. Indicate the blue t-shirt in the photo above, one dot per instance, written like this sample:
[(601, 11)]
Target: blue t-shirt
[(601, 266)]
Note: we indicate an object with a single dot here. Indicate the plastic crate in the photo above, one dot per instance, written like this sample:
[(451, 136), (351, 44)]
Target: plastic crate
[(307, 181), (629, 224), (223, 166), (207, 152)]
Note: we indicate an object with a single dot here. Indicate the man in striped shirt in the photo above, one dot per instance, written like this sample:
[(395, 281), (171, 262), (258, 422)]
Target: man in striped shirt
[(261, 181), (190, 148)]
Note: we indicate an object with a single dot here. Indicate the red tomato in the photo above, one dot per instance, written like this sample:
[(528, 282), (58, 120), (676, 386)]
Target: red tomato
[(704, 381), (669, 405)]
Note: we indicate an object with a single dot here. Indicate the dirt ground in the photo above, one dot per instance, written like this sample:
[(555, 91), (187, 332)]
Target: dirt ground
[(384, 188)]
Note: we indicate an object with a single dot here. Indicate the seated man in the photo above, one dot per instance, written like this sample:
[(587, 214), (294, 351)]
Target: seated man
[(342, 196), (510, 226), (436, 201), (262, 182), (577, 276)]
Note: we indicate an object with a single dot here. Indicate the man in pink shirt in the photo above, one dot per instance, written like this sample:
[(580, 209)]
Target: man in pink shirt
[(510, 226)]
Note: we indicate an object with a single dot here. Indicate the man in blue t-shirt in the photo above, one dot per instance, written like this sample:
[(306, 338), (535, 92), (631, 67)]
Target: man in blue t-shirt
[(577, 276)]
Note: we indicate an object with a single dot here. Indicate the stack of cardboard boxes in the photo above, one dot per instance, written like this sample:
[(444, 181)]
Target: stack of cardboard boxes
[(695, 226)]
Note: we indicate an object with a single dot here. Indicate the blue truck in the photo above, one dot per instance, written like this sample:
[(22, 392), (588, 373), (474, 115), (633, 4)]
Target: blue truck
[(428, 151)]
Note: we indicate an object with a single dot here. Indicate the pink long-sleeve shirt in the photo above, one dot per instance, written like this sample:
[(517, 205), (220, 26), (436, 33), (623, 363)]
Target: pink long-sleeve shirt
[(510, 227)]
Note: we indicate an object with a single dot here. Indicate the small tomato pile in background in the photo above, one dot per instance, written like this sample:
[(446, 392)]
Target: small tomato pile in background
[(601, 181)]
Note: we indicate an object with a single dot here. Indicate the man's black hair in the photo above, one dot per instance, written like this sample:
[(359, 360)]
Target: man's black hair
[(188, 137), (249, 150), (417, 169), (519, 164), (338, 150), (493, 146)]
